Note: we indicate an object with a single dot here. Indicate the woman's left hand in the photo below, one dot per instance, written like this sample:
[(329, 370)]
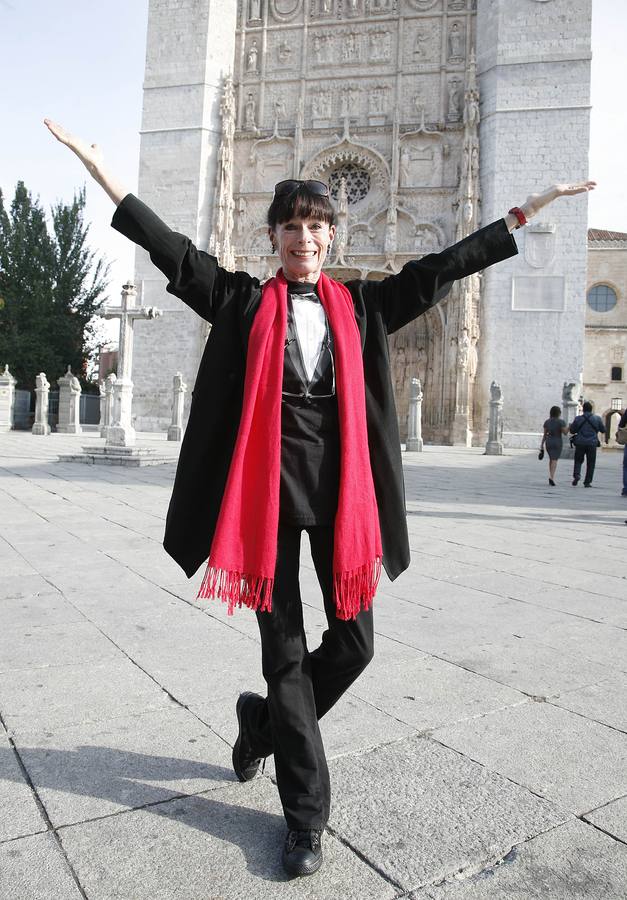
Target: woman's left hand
[(535, 202)]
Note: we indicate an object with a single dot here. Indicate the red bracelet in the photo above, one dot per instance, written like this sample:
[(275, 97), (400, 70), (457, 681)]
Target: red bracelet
[(522, 218)]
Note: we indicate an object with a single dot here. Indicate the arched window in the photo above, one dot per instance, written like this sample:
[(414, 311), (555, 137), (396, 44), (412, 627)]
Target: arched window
[(601, 298)]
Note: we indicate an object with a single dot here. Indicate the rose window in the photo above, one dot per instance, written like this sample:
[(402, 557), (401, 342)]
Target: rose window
[(356, 179)]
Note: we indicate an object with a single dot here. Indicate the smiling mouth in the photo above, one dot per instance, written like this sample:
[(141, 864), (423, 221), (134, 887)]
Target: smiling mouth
[(304, 254)]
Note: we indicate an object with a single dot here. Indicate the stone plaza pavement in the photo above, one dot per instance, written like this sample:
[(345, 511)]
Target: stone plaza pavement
[(483, 753)]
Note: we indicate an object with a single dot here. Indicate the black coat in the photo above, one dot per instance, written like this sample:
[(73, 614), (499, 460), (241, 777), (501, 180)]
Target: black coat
[(229, 300)]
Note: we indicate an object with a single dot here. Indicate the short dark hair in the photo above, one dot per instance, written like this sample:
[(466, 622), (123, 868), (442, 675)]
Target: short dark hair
[(301, 204), (555, 411), (587, 407)]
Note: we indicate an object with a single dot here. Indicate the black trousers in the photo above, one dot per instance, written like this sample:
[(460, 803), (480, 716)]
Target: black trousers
[(590, 455), (303, 685)]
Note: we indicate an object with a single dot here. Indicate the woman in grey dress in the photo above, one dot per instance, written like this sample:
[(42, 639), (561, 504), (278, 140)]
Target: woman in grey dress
[(554, 428)]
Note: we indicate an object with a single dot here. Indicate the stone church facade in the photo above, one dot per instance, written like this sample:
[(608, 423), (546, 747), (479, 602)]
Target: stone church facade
[(426, 118)]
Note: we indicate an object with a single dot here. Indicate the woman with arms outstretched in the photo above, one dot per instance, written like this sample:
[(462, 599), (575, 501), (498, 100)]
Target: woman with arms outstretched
[(293, 427)]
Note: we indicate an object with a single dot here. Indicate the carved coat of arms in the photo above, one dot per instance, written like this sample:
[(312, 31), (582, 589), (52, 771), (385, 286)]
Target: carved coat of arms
[(540, 245)]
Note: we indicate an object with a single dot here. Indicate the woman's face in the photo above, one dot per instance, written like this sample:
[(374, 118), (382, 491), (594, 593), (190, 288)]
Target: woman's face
[(302, 245)]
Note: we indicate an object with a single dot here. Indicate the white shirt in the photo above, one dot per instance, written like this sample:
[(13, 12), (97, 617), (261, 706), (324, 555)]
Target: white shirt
[(310, 321)]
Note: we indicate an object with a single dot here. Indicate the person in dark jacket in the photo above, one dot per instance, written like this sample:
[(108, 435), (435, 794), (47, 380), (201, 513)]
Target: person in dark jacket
[(586, 429), (294, 386), (623, 424)]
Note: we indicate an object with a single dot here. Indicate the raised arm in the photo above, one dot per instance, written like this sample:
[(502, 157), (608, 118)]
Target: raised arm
[(193, 275), (423, 282), (92, 158)]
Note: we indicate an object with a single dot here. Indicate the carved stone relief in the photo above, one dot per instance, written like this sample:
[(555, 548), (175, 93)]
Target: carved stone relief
[(254, 10), (251, 58), (279, 105), (456, 52), (349, 101), (284, 49), (258, 243), (378, 100), (420, 163), (250, 113), (360, 239), (322, 9), (456, 5), (540, 243), (285, 10), (321, 105), (380, 46), (423, 5), (455, 95), (350, 47), (270, 169), (240, 220), (421, 46), (428, 240), (425, 98), (379, 7), (321, 47)]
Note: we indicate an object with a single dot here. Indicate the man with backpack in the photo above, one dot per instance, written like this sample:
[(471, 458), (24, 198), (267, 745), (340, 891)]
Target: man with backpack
[(585, 430)]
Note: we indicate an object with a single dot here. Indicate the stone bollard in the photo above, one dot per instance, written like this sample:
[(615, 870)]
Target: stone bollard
[(69, 404), (103, 405), (494, 446), (175, 431), (107, 418), (42, 390), (414, 425), (7, 399), (570, 409)]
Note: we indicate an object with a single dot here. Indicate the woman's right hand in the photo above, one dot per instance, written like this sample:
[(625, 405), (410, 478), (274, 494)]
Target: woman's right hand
[(92, 158), (89, 154)]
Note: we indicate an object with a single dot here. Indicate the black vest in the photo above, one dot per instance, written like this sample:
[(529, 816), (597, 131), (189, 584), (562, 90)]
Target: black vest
[(310, 440)]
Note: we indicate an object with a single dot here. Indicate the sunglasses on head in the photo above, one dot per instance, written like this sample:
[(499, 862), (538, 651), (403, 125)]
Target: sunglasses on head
[(291, 185)]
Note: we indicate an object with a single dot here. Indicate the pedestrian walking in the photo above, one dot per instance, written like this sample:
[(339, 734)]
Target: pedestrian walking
[(621, 437), (554, 427), (585, 430), (293, 427)]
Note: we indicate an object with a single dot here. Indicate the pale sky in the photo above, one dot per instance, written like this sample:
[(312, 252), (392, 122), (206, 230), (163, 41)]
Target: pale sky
[(82, 64)]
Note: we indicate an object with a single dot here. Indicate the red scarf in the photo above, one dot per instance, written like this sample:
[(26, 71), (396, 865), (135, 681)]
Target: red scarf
[(242, 561)]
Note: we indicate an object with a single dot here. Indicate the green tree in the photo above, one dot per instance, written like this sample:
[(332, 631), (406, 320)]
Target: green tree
[(51, 286)]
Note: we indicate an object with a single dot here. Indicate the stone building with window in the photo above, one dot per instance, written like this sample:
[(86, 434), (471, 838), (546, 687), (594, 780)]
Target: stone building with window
[(427, 118), (605, 351)]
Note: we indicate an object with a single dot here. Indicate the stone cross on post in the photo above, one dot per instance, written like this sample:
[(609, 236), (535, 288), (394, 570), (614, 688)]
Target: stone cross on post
[(414, 428), (120, 432)]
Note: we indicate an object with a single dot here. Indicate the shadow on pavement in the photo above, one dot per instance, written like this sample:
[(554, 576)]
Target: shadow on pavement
[(120, 777)]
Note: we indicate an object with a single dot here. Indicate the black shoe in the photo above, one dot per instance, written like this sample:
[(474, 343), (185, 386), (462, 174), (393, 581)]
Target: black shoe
[(245, 763), (302, 853), (551, 482), (587, 484), (575, 482)]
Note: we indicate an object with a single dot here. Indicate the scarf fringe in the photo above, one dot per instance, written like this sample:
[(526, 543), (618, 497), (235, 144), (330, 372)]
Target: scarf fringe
[(355, 590), (237, 589)]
